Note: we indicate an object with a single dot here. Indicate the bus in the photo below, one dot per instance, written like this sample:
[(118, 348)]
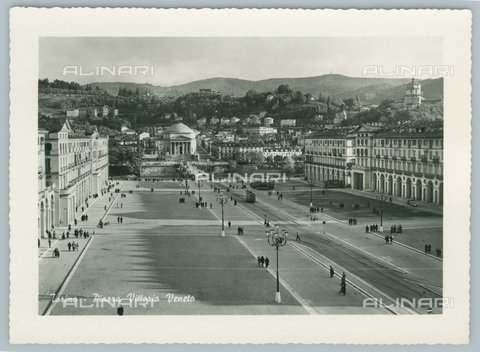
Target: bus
[(263, 185), (334, 184), (250, 196)]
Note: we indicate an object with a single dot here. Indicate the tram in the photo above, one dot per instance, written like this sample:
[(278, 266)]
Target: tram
[(250, 196)]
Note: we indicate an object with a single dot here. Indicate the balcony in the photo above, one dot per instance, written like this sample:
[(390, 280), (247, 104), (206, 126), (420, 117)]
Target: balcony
[(381, 169), (389, 171), (404, 158), (394, 157), (374, 168), (377, 156), (413, 158), (439, 177), (431, 176), (399, 172), (418, 174), (436, 160), (385, 156), (423, 159)]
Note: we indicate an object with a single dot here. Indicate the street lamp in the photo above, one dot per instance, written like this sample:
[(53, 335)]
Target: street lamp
[(222, 199), (277, 239), (200, 185), (381, 196), (324, 225), (311, 182)]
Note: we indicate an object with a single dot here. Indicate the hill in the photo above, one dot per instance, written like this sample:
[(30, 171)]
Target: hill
[(370, 90)]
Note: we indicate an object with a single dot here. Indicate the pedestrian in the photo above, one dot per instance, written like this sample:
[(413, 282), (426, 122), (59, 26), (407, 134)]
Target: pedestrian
[(229, 224), (439, 252), (49, 243), (267, 261), (121, 206), (298, 238), (366, 228), (120, 310), (258, 261), (391, 239), (39, 243), (105, 208), (121, 220), (262, 260), (69, 246), (371, 228), (332, 272), (386, 239), (429, 249), (426, 248), (86, 217)]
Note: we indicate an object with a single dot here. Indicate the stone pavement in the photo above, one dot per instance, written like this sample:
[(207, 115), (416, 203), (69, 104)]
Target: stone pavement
[(54, 271)]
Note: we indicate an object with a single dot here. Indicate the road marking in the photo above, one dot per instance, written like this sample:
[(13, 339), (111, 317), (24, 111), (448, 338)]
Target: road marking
[(289, 288)]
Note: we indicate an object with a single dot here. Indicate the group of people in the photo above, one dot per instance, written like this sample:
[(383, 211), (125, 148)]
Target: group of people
[(428, 250), (72, 246), (263, 262), (371, 228), (352, 221), (316, 209), (389, 239), (120, 219), (396, 229)]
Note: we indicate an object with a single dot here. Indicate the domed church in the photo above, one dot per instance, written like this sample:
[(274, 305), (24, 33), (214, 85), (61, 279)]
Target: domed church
[(179, 141)]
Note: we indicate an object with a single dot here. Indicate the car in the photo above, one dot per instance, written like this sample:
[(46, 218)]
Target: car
[(412, 203)]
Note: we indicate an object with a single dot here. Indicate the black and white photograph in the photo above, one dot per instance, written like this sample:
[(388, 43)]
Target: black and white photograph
[(245, 176)]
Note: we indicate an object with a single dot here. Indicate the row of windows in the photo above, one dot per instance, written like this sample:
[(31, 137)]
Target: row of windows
[(409, 153)]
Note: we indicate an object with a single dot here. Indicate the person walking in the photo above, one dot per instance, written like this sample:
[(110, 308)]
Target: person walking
[(391, 239), (49, 243), (298, 238), (69, 246), (121, 220), (262, 260), (426, 248), (258, 261), (386, 239), (267, 261), (332, 272), (429, 249), (121, 205), (229, 224)]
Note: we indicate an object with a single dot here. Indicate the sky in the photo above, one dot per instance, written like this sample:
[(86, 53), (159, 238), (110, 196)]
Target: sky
[(179, 60)]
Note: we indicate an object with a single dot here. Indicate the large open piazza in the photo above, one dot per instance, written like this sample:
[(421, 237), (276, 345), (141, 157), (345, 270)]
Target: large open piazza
[(158, 255)]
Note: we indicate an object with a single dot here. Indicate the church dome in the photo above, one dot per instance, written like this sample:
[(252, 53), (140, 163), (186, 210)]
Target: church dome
[(179, 128)]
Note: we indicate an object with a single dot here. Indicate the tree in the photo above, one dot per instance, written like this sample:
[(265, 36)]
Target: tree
[(232, 165), (289, 165), (255, 158)]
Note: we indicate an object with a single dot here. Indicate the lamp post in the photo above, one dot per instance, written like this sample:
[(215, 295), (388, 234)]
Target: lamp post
[(222, 199), (324, 225), (311, 182), (277, 238), (381, 196), (200, 185)]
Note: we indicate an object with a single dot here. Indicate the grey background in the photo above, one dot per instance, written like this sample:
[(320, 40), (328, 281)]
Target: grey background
[(311, 4)]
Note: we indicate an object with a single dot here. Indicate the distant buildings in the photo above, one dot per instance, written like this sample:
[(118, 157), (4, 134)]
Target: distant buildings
[(267, 121), (72, 113), (260, 130), (288, 122)]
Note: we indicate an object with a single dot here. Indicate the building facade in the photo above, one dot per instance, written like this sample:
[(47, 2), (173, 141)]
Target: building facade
[(330, 155), (404, 161), (76, 168)]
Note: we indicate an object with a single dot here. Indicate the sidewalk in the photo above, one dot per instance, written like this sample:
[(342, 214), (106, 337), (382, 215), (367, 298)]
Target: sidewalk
[(54, 271)]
